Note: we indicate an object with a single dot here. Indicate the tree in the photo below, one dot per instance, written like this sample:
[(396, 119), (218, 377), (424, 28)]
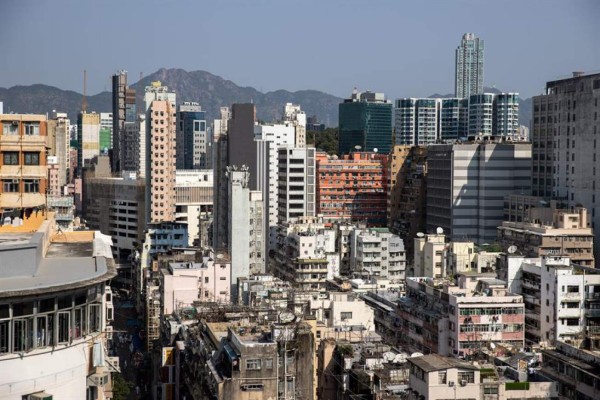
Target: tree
[(326, 140), (121, 388)]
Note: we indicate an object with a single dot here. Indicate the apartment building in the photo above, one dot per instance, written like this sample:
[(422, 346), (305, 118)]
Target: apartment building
[(184, 283), (460, 319), (562, 299), (294, 116), (376, 252), (406, 193), (59, 144), (194, 203), (88, 139), (161, 115), (467, 183), (353, 187), (428, 257), (24, 170), (562, 233), (469, 66)]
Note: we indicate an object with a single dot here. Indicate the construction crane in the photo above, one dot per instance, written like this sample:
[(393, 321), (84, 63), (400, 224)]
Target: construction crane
[(84, 100)]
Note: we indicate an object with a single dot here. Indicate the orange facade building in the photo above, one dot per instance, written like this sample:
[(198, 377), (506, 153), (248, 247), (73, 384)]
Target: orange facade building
[(23, 165), (352, 187)]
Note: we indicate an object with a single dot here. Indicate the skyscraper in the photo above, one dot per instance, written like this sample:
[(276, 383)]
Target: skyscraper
[(193, 144), (365, 120), (160, 153), (123, 111), (469, 66)]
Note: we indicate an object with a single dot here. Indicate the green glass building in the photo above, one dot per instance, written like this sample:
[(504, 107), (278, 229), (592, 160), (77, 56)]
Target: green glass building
[(365, 120)]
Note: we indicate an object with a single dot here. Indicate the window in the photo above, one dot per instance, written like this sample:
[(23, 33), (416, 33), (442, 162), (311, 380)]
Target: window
[(32, 158), (468, 376), (253, 364), (10, 128), (10, 158), (22, 334), (346, 315), (4, 336), (31, 185), (94, 310), (269, 363), (442, 377), (254, 387), (64, 321), (10, 185), (32, 129)]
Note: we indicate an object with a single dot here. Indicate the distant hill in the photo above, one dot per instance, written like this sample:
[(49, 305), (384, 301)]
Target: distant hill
[(211, 91)]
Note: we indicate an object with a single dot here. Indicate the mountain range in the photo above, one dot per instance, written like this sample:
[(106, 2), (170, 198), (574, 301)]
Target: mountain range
[(209, 90)]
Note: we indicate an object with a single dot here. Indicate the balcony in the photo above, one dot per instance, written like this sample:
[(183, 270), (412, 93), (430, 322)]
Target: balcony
[(531, 284), (592, 312), (593, 296), (571, 296), (593, 330)]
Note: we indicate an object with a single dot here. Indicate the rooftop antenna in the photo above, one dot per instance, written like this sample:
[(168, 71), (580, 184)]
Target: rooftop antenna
[(84, 100)]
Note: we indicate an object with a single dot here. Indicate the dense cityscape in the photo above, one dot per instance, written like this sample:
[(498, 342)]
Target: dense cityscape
[(416, 248)]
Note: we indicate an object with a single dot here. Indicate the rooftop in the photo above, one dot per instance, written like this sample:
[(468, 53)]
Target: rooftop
[(435, 362)]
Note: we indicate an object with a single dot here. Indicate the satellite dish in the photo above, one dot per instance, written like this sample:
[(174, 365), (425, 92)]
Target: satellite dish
[(357, 148), (420, 234), (439, 230), (219, 256), (417, 354), (375, 150), (492, 346), (286, 317), (512, 249)]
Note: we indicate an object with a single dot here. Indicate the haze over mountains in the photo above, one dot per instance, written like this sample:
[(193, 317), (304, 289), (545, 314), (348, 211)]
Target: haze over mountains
[(210, 90)]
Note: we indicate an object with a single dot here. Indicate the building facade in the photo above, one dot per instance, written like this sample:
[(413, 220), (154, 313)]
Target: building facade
[(365, 120), (24, 170), (469, 66), (194, 146), (353, 187), (467, 183)]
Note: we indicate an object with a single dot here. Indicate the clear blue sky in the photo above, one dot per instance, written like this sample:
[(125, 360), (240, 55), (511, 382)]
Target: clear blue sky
[(402, 48)]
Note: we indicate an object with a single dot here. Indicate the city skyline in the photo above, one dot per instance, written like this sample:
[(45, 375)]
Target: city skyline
[(324, 45)]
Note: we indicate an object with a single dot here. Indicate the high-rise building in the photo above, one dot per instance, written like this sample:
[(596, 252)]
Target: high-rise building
[(566, 122), (365, 120), (429, 121), (296, 183), (105, 136), (133, 146), (124, 111), (88, 138), (160, 153), (241, 149), (469, 66), (467, 183), (220, 144), (246, 240), (353, 187), (193, 143), (59, 144), (23, 166)]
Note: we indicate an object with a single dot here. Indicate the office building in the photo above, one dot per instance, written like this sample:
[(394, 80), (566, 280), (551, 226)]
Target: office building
[(467, 183), (105, 136), (469, 66), (269, 138), (23, 170), (365, 120), (88, 139), (56, 312), (296, 183), (161, 128), (194, 145), (566, 121), (124, 111), (353, 187)]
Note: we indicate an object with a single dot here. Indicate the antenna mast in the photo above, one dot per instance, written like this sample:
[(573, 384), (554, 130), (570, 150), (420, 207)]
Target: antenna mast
[(84, 100)]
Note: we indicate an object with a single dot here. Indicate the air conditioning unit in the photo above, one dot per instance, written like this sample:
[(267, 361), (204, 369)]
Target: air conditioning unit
[(463, 382), (451, 383), (98, 379)]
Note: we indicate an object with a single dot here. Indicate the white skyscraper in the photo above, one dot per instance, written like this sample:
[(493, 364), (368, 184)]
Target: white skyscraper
[(469, 66)]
